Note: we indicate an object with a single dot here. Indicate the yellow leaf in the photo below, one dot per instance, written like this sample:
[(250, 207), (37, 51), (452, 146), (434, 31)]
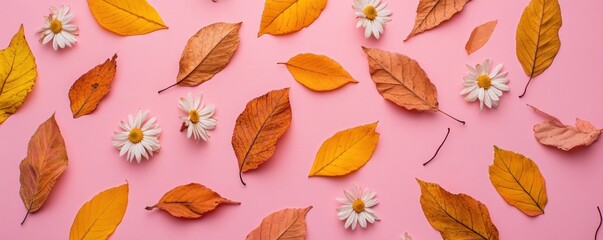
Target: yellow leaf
[(346, 151), (126, 17), (537, 37), (318, 72), (456, 216), (287, 16), (17, 75), (519, 181), (99, 217)]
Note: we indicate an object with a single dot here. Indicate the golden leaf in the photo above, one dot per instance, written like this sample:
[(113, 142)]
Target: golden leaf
[(87, 92), (18, 75), (126, 17), (45, 162), (431, 13), (190, 201), (456, 216), (318, 72), (346, 151), (258, 128), (518, 180), (99, 217), (402, 81), (288, 223), (537, 38), (287, 16), (480, 36)]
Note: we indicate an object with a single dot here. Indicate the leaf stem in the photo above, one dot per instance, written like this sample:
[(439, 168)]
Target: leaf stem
[(463, 122), (150, 207), (600, 222), (526, 88), (241, 177), (436, 153), (160, 91)]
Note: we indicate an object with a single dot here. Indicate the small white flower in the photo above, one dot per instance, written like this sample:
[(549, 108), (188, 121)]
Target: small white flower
[(406, 236), (198, 118), (58, 29), (356, 207), (485, 85), (138, 138), (372, 16)]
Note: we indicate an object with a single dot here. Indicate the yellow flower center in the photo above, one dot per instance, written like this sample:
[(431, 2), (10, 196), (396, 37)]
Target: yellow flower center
[(56, 26), (135, 135), (370, 12), (484, 81), (193, 115), (358, 206)]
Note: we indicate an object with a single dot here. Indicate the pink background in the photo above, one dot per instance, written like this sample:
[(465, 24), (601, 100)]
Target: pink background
[(570, 88)]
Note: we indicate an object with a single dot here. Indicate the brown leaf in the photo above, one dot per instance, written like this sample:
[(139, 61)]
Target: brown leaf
[(45, 162), (480, 36), (87, 92), (431, 13), (288, 223), (565, 137), (190, 201), (258, 128), (402, 81)]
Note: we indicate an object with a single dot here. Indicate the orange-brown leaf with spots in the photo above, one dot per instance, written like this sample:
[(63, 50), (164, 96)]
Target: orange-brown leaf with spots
[(431, 13), (288, 223), (190, 201), (88, 91)]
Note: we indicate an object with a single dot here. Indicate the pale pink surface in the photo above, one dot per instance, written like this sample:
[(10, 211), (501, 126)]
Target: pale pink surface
[(570, 88)]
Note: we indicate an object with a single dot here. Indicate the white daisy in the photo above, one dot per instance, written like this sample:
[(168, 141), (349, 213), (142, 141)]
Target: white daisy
[(372, 16), (406, 236), (356, 207), (198, 118), (138, 138), (485, 85), (58, 29)]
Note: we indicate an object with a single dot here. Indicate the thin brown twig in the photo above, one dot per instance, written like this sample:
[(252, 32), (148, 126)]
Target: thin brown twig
[(436, 153), (600, 222)]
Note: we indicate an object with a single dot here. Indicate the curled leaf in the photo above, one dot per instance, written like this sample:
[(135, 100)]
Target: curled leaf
[(288, 223), (190, 201), (87, 92), (126, 17), (431, 13), (480, 36), (287, 16), (318, 72)]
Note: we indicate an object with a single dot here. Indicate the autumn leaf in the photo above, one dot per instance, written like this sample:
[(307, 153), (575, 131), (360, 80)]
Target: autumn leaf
[(99, 217), (206, 53), (537, 38), (126, 17), (456, 216), (318, 72), (258, 128), (346, 151), (565, 137), (18, 73), (431, 13), (402, 81), (288, 223), (190, 201), (480, 36), (87, 92), (45, 162), (518, 180), (287, 16)]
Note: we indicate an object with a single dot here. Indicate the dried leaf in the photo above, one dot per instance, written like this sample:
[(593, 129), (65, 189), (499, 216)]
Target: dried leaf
[(258, 128), (456, 216), (518, 180), (45, 162), (190, 201), (431, 13), (288, 223), (18, 73), (318, 72), (87, 92), (565, 137), (402, 81), (346, 151), (480, 36), (126, 17), (287, 16), (99, 217), (537, 37)]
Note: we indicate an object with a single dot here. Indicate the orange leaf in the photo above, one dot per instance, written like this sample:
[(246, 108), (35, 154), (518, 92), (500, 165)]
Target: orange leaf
[(87, 92), (258, 128), (287, 16), (45, 162), (288, 223), (431, 13), (190, 201), (480, 36)]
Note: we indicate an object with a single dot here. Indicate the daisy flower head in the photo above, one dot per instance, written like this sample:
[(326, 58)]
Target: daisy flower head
[(198, 119), (372, 16), (485, 85), (356, 208), (138, 138), (57, 28)]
